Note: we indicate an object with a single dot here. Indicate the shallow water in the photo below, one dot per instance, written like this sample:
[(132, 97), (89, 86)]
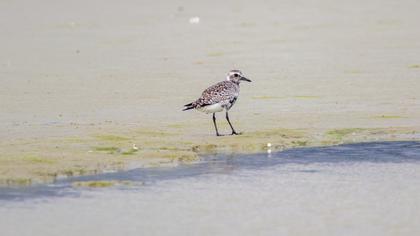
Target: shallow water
[(357, 189)]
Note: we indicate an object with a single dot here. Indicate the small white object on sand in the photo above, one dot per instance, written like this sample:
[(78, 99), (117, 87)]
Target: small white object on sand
[(195, 20)]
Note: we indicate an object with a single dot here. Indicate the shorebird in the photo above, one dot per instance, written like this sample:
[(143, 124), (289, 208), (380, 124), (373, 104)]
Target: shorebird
[(219, 97)]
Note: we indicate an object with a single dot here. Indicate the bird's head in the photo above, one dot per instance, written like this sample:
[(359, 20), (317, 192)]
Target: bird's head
[(236, 77)]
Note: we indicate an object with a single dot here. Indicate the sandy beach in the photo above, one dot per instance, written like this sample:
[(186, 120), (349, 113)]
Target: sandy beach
[(81, 82)]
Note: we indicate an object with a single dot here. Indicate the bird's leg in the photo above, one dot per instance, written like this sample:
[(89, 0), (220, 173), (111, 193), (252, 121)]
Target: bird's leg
[(215, 125), (233, 130)]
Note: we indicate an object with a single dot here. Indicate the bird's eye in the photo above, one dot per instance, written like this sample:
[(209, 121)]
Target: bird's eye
[(236, 75)]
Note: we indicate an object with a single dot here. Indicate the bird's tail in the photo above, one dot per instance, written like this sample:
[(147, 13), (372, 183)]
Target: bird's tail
[(188, 106)]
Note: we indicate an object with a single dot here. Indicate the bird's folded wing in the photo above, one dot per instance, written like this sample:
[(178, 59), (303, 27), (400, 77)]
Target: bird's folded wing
[(218, 93)]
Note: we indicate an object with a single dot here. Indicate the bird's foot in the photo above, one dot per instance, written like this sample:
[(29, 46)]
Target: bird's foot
[(218, 135), (236, 133)]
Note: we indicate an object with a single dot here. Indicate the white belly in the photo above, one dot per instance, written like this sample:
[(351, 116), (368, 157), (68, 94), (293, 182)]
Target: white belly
[(211, 108)]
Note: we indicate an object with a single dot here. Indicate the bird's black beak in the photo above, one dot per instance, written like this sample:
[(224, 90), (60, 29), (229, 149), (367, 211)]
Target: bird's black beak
[(245, 79)]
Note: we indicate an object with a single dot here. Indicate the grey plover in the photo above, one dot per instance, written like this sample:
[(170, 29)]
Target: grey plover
[(219, 97)]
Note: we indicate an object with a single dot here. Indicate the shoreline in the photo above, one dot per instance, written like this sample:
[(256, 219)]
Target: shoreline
[(41, 161)]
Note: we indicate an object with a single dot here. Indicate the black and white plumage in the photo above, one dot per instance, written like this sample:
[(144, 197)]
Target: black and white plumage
[(219, 97)]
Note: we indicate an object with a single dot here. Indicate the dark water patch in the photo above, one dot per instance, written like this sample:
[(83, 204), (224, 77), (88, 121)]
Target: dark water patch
[(376, 152)]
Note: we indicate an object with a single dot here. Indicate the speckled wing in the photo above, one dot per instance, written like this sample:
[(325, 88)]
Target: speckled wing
[(222, 92)]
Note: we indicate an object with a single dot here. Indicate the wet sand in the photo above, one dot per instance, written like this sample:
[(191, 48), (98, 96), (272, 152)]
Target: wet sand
[(406, 152), (83, 82)]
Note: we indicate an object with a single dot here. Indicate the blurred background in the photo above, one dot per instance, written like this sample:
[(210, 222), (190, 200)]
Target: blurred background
[(90, 62)]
